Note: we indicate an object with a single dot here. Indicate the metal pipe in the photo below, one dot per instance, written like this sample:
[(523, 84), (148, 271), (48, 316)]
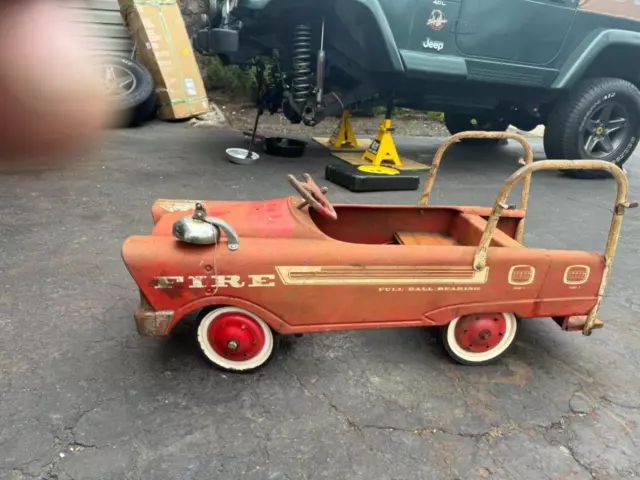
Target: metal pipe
[(225, 14), (320, 70), (389, 110)]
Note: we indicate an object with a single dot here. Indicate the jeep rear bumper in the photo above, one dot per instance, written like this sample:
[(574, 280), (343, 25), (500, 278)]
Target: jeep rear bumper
[(216, 41)]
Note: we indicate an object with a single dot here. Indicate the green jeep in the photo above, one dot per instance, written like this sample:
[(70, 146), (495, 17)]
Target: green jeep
[(571, 65)]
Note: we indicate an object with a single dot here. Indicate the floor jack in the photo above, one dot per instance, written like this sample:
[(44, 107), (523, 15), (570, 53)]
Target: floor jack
[(379, 169)]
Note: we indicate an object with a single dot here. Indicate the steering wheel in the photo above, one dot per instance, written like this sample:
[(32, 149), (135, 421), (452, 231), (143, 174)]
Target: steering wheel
[(313, 196)]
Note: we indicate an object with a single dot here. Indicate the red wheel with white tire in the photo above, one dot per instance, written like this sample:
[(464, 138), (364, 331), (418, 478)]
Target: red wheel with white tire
[(236, 340), (480, 339)]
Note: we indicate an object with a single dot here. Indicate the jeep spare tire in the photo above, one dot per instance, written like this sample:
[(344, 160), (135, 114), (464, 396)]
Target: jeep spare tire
[(597, 120), (456, 123), (130, 88)]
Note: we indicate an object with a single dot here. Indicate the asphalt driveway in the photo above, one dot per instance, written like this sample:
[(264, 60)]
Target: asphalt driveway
[(82, 396)]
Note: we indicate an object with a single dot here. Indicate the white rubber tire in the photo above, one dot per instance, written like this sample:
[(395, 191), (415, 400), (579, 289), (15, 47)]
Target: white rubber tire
[(466, 357), (260, 360)]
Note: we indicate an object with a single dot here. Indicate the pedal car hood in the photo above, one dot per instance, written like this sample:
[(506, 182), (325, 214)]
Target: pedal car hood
[(279, 218)]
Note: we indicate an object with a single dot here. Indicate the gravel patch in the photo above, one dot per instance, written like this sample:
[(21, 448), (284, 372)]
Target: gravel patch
[(241, 116)]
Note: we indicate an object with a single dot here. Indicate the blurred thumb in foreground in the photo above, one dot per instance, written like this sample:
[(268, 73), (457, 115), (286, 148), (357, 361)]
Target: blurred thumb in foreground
[(52, 101)]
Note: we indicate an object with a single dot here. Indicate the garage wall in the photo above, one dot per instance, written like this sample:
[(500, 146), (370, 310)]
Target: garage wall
[(102, 25)]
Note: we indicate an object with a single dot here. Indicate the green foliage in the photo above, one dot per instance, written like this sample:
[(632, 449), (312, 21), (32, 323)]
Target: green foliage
[(230, 80), (436, 116)]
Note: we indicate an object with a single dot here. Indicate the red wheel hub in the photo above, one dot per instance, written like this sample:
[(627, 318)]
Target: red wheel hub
[(480, 333), (236, 336)]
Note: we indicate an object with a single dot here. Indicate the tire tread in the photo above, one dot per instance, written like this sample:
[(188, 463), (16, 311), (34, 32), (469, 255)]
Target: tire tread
[(561, 127)]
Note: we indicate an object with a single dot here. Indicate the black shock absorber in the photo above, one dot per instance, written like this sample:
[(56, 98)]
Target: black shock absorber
[(274, 76), (272, 79), (301, 82)]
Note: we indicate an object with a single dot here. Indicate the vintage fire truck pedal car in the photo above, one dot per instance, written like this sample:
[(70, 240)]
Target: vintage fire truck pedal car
[(256, 270)]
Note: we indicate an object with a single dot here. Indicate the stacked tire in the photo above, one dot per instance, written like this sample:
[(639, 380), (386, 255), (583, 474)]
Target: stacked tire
[(131, 89)]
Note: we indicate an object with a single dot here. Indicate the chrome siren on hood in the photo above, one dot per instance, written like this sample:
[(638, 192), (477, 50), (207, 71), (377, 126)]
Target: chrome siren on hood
[(200, 229)]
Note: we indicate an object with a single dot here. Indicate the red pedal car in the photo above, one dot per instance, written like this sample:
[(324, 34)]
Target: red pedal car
[(257, 270)]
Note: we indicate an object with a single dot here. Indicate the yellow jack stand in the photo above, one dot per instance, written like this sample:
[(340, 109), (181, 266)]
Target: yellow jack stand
[(383, 148), (343, 136)]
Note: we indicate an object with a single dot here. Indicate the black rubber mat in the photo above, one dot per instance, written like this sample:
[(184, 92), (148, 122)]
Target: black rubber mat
[(349, 177)]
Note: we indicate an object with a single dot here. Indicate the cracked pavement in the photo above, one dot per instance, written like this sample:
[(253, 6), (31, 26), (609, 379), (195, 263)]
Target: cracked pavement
[(82, 396)]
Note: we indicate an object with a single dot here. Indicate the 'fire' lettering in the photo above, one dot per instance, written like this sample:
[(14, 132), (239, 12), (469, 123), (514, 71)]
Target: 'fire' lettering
[(262, 280), (229, 281)]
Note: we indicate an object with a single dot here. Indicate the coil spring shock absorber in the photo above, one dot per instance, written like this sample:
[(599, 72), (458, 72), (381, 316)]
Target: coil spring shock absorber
[(273, 78), (301, 82)]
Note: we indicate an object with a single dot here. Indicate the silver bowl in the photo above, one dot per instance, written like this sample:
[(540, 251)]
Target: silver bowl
[(239, 156)]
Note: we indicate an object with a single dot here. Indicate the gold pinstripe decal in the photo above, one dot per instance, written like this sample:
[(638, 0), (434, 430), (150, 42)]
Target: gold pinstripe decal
[(377, 275)]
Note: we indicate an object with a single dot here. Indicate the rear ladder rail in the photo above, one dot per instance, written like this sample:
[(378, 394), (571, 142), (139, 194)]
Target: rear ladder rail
[(621, 205)]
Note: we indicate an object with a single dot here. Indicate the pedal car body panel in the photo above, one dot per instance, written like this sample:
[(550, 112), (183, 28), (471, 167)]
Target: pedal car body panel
[(311, 274)]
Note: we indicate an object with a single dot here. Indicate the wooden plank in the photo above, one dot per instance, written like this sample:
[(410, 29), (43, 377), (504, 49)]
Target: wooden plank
[(363, 144), (423, 238), (408, 165)]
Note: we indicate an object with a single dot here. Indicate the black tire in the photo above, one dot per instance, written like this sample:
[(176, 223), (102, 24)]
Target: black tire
[(568, 127), (457, 123), (284, 147), (136, 104)]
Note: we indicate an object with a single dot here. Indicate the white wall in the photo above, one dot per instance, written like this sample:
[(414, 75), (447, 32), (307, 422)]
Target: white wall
[(102, 24)]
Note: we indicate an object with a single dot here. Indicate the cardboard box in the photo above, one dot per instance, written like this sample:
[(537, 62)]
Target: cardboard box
[(164, 47)]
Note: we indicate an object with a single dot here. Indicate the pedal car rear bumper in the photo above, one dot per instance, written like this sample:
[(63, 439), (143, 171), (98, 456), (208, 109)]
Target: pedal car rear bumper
[(576, 323)]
